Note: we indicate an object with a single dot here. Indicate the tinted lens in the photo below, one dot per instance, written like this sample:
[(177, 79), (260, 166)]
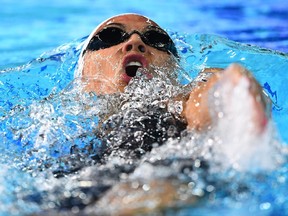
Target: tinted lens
[(106, 38), (160, 40), (157, 39), (111, 35)]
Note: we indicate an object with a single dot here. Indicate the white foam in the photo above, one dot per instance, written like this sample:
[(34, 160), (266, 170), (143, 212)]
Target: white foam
[(237, 144)]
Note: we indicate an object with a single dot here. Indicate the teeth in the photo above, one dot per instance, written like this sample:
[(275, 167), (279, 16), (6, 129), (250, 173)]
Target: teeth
[(134, 63)]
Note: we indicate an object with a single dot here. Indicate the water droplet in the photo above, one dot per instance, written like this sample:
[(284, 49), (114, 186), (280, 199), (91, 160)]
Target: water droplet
[(146, 187), (265, 206), (220, 114), (210, 188), (197, 163)]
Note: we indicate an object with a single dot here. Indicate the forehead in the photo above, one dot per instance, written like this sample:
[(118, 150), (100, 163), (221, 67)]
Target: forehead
[(130, 21)]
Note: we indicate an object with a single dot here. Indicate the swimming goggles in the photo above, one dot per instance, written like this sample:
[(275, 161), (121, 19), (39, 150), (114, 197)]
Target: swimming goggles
[(111, 36)]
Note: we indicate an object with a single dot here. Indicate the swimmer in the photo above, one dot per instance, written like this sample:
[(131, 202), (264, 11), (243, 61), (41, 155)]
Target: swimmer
[(117, 50), (125, 44)]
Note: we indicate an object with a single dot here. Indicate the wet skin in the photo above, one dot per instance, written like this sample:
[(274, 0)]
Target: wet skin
[(110, 63), (106, 71)]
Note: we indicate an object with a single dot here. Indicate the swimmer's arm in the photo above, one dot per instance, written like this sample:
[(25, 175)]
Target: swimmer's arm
[(211, 70), (196, 109), (195, 105)]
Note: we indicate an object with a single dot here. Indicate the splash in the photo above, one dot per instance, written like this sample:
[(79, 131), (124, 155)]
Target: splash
[(53, 141)]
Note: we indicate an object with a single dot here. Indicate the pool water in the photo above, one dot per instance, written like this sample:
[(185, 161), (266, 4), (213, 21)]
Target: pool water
[(42, 120)]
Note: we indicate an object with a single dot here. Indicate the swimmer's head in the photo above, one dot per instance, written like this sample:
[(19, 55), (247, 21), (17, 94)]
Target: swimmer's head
[(121, 46)]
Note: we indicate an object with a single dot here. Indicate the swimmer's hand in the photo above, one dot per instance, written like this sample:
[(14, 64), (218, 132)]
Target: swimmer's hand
[(198, 108)]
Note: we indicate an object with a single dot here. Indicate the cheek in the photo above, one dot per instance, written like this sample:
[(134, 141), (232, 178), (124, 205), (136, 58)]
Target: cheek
[(100, 63), (160, 58), (91, 65), (164, 60)]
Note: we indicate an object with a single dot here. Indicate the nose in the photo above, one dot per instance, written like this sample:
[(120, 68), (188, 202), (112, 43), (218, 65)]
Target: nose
[(134, 43)]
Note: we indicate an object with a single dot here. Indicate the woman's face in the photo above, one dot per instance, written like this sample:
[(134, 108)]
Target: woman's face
[(109, 69)]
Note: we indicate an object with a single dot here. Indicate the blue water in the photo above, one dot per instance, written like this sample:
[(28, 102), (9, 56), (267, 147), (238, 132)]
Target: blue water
[(40, 45)]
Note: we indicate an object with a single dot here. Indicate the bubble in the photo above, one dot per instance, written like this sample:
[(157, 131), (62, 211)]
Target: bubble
[(135, 184), (75, 209), (265, 206), (146, 187), (210, 188), (56, 142)]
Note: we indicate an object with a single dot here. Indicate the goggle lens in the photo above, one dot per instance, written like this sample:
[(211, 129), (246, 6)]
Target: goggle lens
[(112, 36)]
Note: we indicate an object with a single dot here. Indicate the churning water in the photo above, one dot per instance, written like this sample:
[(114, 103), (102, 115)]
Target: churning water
[(55, 138)]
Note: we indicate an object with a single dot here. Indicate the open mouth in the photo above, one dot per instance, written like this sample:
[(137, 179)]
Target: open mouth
[(132, 67), (133, 63)]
